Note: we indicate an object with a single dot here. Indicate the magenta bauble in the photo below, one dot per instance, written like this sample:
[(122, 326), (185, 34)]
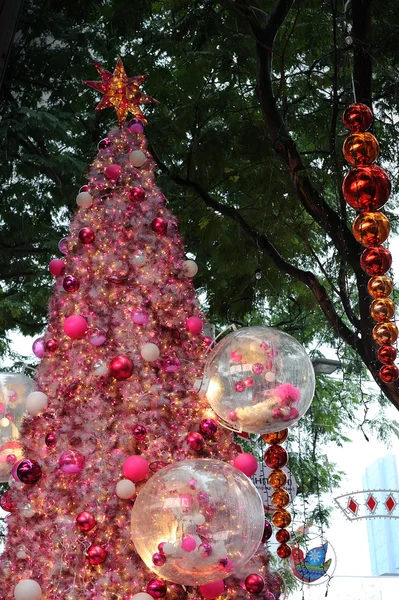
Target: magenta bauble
[(135, 468), (75, 327), (29, 471), (160, 226), (139, 432), (121, 367), (51, 345), (113, 172), (188, 544), (38, 347), (267, 532), (135, 126), (208, 427), (96, 554), (71, 462), (194, 325), (246, 463), (136, 194), (86, 235), (156, 588), (212, 590), (195, 441), (6, 503), (50, 440), (70, 284), (158, 559), (56, 267), (254, 583), (140, 317), (85, 521), (63, 245)]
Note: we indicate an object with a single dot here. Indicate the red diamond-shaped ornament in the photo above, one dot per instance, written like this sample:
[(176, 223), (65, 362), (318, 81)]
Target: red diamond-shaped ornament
[(353, 506), (371, 503), (390, 503)]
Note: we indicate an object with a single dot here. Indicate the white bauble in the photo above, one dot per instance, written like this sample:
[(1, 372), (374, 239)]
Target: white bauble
[(190, 268), (137, 158), (142, 596), (84, 199), (4, 422), (36, 402), (139, 258), (125, 489), (150, 352), (28, 589), (199, 519)]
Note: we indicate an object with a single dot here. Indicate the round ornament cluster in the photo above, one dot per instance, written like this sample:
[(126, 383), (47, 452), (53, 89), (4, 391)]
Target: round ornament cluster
[(260, 380)]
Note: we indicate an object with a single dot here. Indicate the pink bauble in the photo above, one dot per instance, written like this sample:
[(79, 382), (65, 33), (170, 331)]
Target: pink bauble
[(96, 336), (70, 284), (136, 194), (6, 503), (140, 317), (160, 226), (38, 347), (254, 583), (50, 440), (195, 441), (156, 588), (135, 126), (71, 462), (158, 559), (208, 427), (239, 386), (188, 544), (86, 235), (246, 463), (63, 245), (194, 325), (212, 590), (85, 521), (139, 432), (15, 468), (28, 471), (96, 554), (51, 345), (56, 267), (75, 327), (135, 468), (121, 367), (113, 172)]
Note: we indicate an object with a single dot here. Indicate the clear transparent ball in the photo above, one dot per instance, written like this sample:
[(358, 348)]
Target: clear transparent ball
[(193, 503), (259, 380)]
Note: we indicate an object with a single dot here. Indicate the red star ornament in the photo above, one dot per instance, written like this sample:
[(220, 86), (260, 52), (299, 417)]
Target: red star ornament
[(121, 92)]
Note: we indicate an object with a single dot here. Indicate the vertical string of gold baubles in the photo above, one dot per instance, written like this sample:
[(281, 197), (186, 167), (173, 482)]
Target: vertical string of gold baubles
[(367, 188)]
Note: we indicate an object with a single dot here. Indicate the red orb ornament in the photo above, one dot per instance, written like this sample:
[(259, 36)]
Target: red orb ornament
[(254, 583), (357, 117), (276, 457), (208, 427), (282, 536), (283, 551), (113, 172), (376, 260), (85, 521), (6, 503), (29, 471), (136, 194), (70, 284), (121, 367), (96, 554), (86, 235), (195, 441), (389, 373), (51, 345), (386, 354), (160, 226), (366, 188), (156, 588)]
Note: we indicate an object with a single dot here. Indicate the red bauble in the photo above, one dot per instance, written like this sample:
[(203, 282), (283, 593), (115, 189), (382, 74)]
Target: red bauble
[(267, 532), (276, 457), (86, 235), (50, 440), (376, 260), (85, 521), (357, 117), (70, 284), (389, 373), (283, 551), (96, 554), (136, 194), (139, 432), (282, 536), (121, 367), (195, 441), (56, 267), (29, 471), (160, 226), (113, 172), (366, 188), (156, 588), (386, 354), (254, 583), (208, 427), (6, 503), (51, 345)]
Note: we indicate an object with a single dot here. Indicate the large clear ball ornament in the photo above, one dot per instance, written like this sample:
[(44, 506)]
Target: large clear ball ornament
[(259, 380), (203, 517)]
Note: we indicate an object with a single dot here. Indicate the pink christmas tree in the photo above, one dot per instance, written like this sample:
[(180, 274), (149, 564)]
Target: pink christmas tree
[(117, 403)]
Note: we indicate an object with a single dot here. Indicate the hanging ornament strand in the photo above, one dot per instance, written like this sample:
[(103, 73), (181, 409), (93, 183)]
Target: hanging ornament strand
[(366, 189)]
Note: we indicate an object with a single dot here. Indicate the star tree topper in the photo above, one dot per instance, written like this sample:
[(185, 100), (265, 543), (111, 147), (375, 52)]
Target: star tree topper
[(121, 92)]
